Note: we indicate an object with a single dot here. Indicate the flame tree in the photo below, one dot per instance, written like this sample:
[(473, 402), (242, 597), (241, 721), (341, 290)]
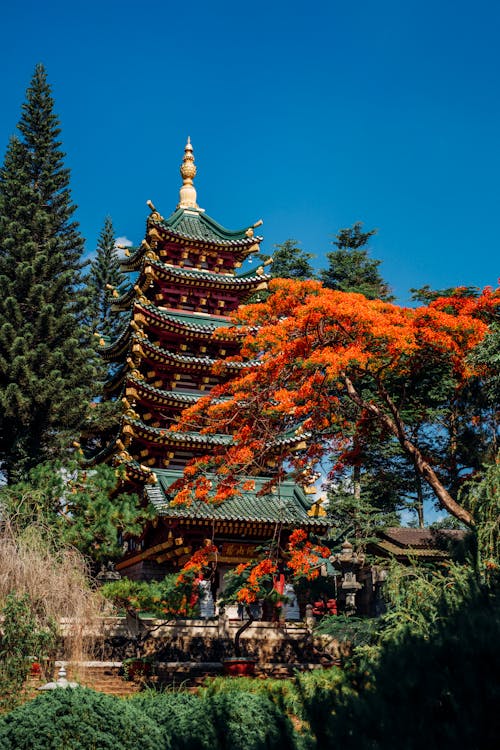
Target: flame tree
[(342, 369)]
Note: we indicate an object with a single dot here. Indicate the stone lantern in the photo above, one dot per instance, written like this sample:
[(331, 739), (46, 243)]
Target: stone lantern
[(349, 560)]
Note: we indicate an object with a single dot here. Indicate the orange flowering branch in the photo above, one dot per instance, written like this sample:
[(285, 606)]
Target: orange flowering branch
[(334, 364)]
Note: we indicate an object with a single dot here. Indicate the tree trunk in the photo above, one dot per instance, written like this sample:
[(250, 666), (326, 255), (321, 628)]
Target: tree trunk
[(420, 498), (394, 424), (241, 630)]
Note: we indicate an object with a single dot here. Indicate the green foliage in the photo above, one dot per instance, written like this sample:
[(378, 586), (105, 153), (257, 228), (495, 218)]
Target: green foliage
[(350, 267), (290, 696), (440, 693), (167, 597), (290, 261), (420, 598), (481, 496), (425, 294), (354, 632), (79, 506), (487, 357), (47, 363), (360, 516), (21, 639), (79, 719), (246, 721), (104, 273), (183, 718)]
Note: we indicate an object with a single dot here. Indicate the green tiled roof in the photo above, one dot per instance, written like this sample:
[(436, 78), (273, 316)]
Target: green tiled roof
[(165, 435), (289, 505), (196, 225), (204, 325), (198, 323), (189, 360), (178, 397), (221, 279)]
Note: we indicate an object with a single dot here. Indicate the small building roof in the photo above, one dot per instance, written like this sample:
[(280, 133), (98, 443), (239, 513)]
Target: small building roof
[(404, 543)]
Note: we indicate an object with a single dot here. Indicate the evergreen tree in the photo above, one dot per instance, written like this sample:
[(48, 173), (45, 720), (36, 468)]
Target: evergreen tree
[(46, 357), (290, 262), (105, 278), (350, 267)]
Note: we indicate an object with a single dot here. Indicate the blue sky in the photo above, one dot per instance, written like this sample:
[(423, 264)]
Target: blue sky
[(310, 116)]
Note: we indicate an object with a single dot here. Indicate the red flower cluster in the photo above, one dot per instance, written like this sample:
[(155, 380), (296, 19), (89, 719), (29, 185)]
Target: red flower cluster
[(252, 590), (305, 557), (196, 563)]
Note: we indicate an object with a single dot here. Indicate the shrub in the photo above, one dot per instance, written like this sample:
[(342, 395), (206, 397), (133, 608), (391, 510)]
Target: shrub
[(232, 719), (440, 693), (20, 639), (249, 721), (79, 719), (182, 717)]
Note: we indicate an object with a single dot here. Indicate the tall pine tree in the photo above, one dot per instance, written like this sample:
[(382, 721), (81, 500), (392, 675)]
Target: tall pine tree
[(290, 261), (46, 357), (105, 278), (350, 267)]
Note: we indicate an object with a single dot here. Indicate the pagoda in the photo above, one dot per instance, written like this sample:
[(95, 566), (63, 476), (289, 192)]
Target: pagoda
[(184, 289)]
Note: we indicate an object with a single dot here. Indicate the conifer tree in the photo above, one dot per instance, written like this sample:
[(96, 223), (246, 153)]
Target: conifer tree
[(105, 278), (46, 357), (350, 267), (290, 261)]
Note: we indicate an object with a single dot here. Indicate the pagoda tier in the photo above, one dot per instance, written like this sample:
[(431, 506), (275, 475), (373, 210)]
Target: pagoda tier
[(201, 291), (178, 342), (191, 239), (191, 332)]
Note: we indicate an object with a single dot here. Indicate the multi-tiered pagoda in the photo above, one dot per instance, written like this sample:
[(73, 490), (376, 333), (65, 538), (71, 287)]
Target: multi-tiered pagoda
[(185, 288)]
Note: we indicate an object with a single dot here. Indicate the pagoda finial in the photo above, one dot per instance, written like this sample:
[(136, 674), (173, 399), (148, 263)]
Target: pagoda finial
[(188, 173)]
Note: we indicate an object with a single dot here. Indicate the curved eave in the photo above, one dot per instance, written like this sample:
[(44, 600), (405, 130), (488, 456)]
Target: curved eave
[(157, 355), (136, 472), (208, 279), (117, 381), (124, 303), (165, 437), (133, 262), (103, 455), (162, 319), (239, 248), (118, 348), (158, 397), (187, 332), (195, 222)]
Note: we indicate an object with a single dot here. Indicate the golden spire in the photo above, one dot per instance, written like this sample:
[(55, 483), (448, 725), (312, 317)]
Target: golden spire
[(188, 173)]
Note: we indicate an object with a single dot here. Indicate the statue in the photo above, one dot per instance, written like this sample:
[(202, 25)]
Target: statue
[(207, 606), (291, 606)]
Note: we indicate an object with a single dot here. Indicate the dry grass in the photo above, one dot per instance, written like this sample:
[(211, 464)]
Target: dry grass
[(59, 587)]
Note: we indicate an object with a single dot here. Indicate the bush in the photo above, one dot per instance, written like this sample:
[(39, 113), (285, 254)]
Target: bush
[(232, 719), (182, 717), (79, 719), (249, 721), (20, 640), (440, 693)]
